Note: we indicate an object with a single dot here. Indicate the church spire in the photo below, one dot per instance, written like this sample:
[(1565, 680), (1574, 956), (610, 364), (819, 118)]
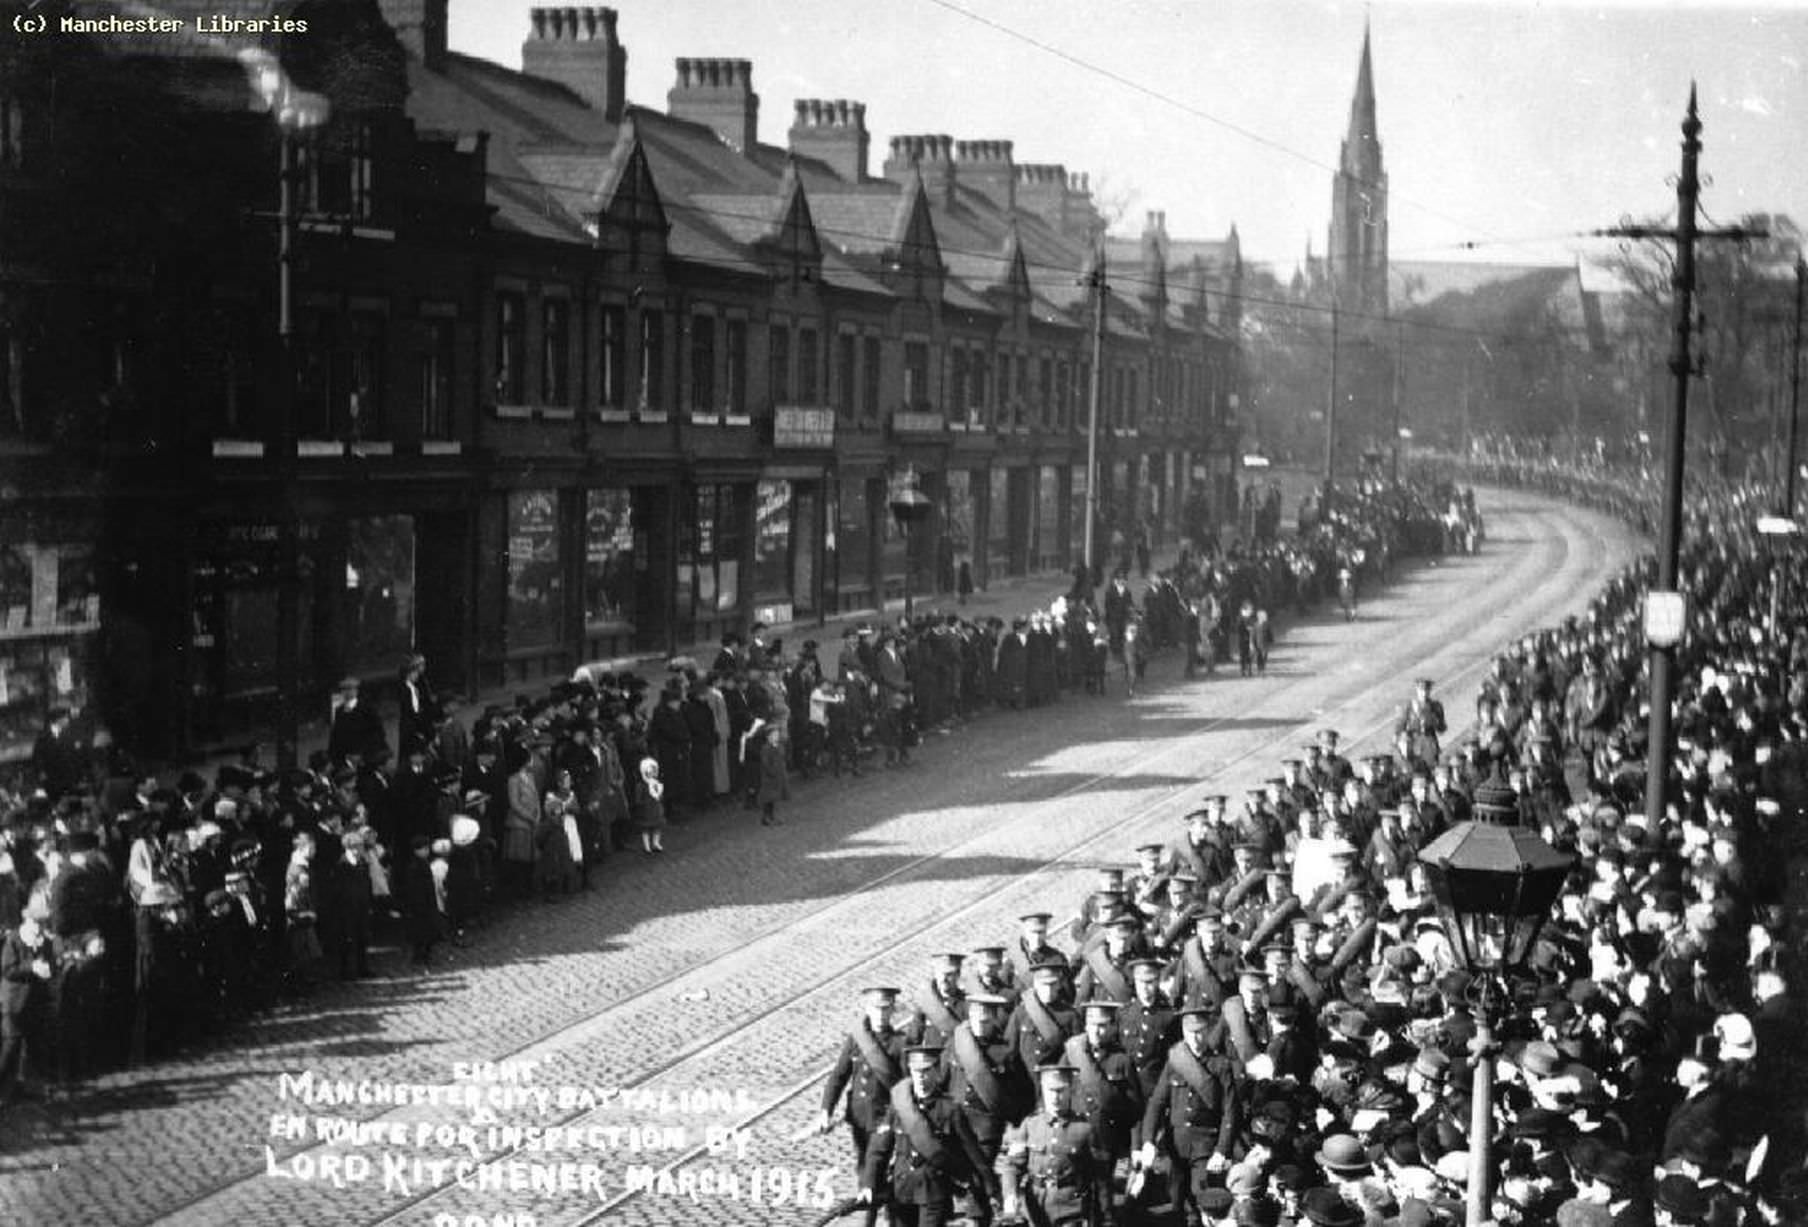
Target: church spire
[(1364, 137)]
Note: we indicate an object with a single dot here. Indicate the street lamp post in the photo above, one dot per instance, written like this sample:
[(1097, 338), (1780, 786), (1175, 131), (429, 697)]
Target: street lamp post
[(296, 112), (909, 507), (1495, 882)]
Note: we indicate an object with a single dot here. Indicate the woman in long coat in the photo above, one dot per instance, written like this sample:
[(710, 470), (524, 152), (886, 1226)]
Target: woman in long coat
[(555, 868), (519, 824)]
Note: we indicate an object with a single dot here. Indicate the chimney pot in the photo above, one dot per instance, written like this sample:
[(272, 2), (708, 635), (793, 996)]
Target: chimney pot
[(578, 48)]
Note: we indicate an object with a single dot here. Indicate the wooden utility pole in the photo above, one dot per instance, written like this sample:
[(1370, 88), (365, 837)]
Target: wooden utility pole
[(1099, 300), (1331, 412), (1682, 367)]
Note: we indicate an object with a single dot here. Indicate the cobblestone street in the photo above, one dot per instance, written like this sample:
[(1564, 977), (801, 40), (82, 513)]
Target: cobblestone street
[(688, 1006)]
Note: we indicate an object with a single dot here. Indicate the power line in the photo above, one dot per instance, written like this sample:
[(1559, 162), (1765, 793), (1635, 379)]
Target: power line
[(1057, 275), (1185, 107)]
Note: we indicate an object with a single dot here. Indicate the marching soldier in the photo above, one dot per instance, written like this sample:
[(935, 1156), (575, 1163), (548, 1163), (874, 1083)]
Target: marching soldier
[(1105, 901), (1149, 1025), (1108, 1093), (1300, 786), (939, 1003), (1192, 1116), (1053, 1176), (923, 1154), (1200, 850), (871, 1063), (1043, 1018), (1333, 767), (985, 1079), (1420, 725), (1032, 942), (1207, 968), (1174, 921), (1147, 884), (992, 974), (1105, 970)]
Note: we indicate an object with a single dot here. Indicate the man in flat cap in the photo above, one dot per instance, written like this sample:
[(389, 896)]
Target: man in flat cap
[(870, 1064), (923, 1154)]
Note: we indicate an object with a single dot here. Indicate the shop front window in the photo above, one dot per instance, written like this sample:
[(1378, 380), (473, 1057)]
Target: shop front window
[(1048, 515), (998, 521), (378, 613), (709, 561), (772, 541), (535, 587), (853, 536), (608, 556)]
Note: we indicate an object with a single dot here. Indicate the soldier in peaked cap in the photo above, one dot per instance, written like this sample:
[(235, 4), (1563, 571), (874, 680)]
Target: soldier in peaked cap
[(1207, 967), (1147, 883), (985, 1077), (1106, 900), (1333, 767), (1044, 1016), (1173, 922), (1053, 1177), (938, 1002), (1149, 1025), (923, 1154), (1192, 1116), (1032, 940), (1107, 1091), (1202, 848), (991, 974), (870, 1064), (1104, 969)]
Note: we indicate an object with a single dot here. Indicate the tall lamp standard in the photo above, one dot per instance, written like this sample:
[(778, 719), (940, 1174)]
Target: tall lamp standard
[(909, 507), (297, 112), (1495, 882)]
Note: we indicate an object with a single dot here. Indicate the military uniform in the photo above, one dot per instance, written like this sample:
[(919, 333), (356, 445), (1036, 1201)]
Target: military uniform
[(988, 1083), (1146, 1033), (924, 1155), (1109, 1094), (936, 1014), (1051, 1164), (1038, 1030), (870, 1064), (1193, 1117)]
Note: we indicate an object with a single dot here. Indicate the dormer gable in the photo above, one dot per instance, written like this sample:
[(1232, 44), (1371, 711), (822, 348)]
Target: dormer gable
[(913, 253), (626, 208), (790, 240)]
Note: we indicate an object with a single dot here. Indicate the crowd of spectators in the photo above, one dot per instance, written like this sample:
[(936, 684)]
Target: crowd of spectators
[(141, 910), (1270, 1013)]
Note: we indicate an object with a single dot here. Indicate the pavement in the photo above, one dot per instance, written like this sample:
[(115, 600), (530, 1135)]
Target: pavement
[(681, 1016)]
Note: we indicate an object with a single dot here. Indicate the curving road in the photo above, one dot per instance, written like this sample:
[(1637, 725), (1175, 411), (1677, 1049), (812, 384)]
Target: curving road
[(687, 1010)]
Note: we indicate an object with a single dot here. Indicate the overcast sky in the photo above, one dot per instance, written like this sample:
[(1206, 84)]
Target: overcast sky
[(1508, 125)]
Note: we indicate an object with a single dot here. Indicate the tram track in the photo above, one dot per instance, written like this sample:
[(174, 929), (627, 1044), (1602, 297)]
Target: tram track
[(1533, 570), (1023, 883)]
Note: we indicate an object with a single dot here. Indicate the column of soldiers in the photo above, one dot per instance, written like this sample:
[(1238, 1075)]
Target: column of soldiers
[(1264, 1020)]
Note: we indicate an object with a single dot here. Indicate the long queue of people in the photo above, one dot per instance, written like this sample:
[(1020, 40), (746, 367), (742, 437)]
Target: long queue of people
[(1265, 1020), (141, 911)]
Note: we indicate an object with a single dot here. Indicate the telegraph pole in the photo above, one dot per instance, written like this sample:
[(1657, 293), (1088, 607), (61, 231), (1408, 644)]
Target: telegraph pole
[(1399, 357), (1682, 367), (1795, 389), (1331, 411), (1100, 290)]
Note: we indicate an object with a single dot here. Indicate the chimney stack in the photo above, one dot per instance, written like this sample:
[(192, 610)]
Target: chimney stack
[(420, 26), (578, 48), (986, 166), (1042, 190), (834, 133), (718, 94), (933, 155)]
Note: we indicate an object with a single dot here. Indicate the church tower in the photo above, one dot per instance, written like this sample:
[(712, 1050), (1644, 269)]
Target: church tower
[(1357, 256)]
